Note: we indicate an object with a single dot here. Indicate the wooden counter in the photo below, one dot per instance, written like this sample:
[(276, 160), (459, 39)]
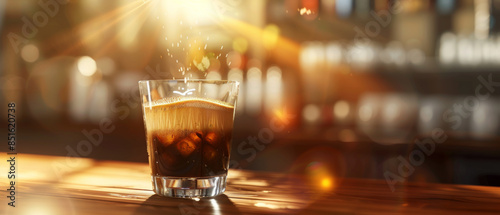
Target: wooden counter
[(48, 185)]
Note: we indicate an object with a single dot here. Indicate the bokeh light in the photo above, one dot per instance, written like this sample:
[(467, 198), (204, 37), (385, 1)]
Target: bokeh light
[(322, 166), (283, 115), (333, 52), (311, 113), (447, 49), (426, 113), (270, 36), (344, 7), (274, 88), (309, 9), (365, 113), (326, 183), (30, 53), (253, 91), (445, 6), (341, 109), (234, 60), (87, 66), (240, 45)]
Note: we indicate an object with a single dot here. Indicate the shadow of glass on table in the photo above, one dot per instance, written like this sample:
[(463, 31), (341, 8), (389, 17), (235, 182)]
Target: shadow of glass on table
[(156, 204)]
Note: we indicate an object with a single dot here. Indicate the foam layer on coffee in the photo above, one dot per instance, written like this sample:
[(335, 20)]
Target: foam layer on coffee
[(187, 113), (182, 101)]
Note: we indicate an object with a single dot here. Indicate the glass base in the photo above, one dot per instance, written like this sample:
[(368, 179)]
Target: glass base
[(184, 187)]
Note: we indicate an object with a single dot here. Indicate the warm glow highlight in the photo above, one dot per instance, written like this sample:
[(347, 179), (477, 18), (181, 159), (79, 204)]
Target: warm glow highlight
[(326, 183), (283, 115)]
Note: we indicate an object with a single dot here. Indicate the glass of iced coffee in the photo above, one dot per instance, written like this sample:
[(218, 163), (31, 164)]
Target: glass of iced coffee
[(188, 127)]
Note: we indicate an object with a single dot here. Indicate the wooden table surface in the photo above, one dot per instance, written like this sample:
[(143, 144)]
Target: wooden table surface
[(48, 185)]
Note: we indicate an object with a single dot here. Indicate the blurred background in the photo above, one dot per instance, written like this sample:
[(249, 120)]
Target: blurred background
[(349, 88)]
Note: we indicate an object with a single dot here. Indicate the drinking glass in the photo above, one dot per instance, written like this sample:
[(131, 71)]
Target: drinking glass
[(188, 125)]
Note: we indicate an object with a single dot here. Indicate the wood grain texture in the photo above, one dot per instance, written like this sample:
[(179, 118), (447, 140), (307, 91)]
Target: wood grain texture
[(45, 186)]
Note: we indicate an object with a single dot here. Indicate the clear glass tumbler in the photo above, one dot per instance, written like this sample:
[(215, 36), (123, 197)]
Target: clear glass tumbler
[(188, 126)]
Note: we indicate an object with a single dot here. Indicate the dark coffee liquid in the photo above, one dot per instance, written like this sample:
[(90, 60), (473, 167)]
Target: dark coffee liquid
[(189, 137)]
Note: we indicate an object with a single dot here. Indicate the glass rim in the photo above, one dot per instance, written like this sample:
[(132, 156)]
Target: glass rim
[(190, 81)]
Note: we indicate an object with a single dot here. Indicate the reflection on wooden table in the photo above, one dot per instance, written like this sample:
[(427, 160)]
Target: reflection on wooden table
[(48, 185)]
